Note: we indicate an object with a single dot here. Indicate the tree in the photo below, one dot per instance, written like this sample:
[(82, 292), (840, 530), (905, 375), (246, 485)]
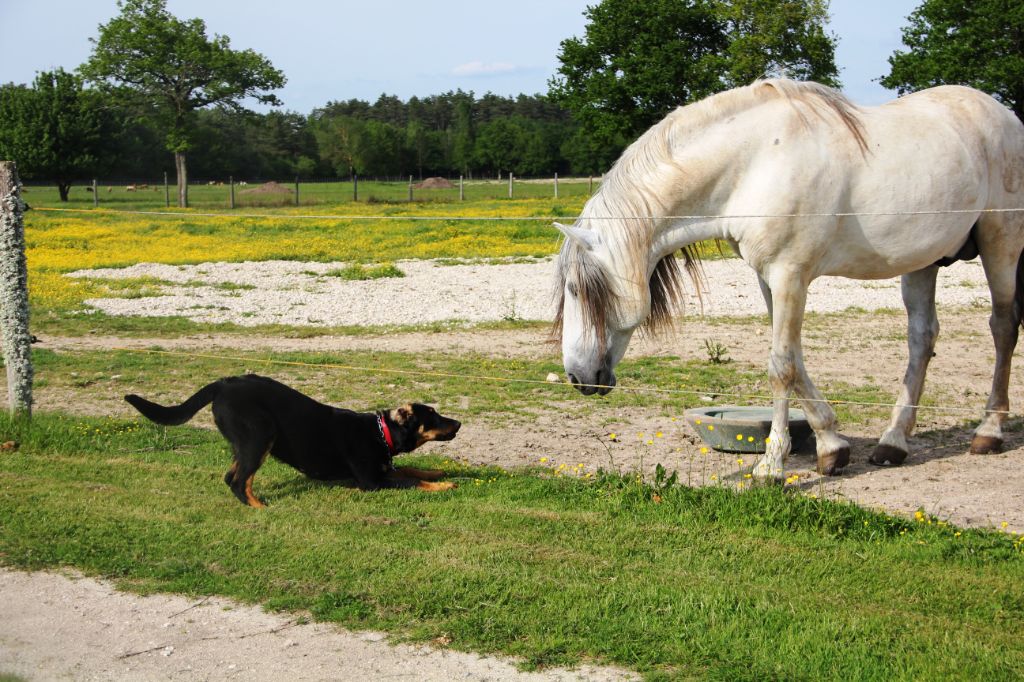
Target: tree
[(167, 69), (639, 59), (778, 38), (53, 130), (978, 43)]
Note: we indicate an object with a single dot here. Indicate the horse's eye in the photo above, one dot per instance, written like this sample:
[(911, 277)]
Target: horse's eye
[(572, 289)]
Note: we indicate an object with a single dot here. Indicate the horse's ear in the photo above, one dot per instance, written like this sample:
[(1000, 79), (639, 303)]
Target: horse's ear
[(585, 238)]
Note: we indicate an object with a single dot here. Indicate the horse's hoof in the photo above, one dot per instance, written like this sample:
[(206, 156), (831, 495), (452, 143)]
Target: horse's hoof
[(887, 456), (830, 463), (986, 445)]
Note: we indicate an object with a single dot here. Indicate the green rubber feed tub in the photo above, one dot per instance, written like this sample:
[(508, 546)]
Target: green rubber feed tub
[(743, 429)]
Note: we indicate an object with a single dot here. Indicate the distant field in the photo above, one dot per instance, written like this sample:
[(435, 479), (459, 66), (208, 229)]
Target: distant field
[(311, 194), (60, 241)]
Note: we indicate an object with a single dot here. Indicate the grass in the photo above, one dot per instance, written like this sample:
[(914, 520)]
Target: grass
[(311, 194), (701, 584), (357, 271)]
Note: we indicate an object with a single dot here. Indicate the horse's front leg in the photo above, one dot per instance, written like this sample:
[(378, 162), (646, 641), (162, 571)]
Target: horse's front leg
[(787, 374), (922, 331)]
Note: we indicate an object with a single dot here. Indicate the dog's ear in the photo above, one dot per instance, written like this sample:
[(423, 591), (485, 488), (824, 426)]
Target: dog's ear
[(403, 415)]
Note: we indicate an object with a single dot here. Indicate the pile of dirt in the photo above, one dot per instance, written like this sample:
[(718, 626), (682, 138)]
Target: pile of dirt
[(269, 188), (434, 183)]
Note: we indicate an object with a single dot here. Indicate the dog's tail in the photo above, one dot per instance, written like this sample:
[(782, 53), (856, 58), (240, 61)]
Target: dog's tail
[(179, 414)]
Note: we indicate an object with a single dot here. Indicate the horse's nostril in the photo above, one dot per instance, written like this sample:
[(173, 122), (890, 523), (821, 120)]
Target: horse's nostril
[(573, 380)]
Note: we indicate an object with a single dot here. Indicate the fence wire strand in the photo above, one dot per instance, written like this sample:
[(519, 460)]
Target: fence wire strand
[(465, 218)]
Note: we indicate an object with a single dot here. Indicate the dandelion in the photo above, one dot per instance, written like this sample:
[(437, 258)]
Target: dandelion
[(704, 451), (659, 434), (543, 460), (919, 515), (740, 461), (612, 436), (739, 436), (1003, 525), (957, 534), (748, 475), (711, 427)]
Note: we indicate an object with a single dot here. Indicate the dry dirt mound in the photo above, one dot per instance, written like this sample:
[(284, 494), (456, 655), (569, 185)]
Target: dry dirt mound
[(434, 183), (268, 188)]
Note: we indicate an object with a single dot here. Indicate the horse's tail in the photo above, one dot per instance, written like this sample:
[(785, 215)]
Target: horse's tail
[(178, 414)]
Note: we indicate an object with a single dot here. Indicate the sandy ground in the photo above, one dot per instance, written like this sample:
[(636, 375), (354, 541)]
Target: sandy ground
[(57, 627), (68, 627)]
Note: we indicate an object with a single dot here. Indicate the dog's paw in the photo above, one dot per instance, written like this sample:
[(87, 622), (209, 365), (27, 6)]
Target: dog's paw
[(436, 487)]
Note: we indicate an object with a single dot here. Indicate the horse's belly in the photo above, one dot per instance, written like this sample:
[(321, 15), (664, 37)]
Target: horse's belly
[(890, 249)]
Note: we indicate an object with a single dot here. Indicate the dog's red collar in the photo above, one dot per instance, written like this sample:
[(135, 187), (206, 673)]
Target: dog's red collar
[(385, 433)]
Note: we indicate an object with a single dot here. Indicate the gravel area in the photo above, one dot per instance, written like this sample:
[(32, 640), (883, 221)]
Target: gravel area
[(295, 293)]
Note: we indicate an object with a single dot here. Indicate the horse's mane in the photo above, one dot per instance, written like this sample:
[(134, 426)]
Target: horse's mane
[(627, 195)]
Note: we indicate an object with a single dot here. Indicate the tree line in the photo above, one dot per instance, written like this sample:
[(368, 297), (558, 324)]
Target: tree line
[(156, 84)]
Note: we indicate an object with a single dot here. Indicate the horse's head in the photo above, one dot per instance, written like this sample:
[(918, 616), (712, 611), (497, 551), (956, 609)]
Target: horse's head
[(604, 293)]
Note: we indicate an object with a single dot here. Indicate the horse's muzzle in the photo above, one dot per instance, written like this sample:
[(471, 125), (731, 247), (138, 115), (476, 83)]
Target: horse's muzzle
[(602, 385)]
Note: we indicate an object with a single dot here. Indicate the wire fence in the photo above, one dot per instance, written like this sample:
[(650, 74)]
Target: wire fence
[(231, 193)]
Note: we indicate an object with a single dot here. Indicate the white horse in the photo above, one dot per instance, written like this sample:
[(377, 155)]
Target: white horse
[(802, 183)]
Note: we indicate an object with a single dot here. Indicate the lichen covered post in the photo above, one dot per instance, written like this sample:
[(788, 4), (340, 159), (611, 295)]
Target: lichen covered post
[(14, 293)]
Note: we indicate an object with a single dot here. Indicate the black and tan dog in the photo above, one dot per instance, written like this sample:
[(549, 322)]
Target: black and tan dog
[(260, 416)]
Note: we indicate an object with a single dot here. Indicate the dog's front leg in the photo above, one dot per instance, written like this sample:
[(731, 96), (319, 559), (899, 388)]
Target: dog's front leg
[(395, 479), (421, 474)]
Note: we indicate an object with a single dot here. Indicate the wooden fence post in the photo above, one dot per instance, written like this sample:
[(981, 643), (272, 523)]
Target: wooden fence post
[(231, 183), (296, 190), (510, 184), (167, 192), (591, 185), (95, 194), (14, 293), (556, 185), (410, 188), (355, 187), (462, 190)]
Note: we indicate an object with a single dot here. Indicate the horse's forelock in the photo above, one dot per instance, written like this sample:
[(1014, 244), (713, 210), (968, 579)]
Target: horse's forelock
[(579, 269), (598, 301)]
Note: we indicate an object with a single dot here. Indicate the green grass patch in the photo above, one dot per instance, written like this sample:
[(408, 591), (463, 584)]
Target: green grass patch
[(357, 271), (706, 583)]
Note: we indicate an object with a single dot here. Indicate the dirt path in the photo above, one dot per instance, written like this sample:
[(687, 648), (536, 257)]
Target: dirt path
[(68, 627)]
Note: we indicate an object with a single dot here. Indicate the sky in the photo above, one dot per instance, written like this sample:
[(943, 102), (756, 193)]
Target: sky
[(341, 50)]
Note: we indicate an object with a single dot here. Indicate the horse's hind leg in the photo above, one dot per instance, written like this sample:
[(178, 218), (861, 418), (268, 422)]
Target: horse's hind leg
[(922, 330), (1003, 272)]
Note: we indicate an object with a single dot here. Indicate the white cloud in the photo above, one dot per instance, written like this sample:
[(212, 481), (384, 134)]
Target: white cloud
[(479, 68)]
